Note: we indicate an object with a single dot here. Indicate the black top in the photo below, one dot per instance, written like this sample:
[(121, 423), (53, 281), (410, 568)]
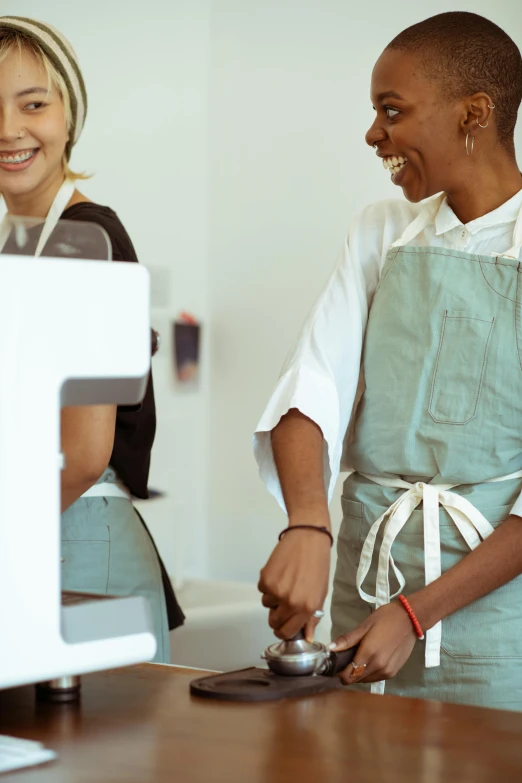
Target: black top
[(135, 425)]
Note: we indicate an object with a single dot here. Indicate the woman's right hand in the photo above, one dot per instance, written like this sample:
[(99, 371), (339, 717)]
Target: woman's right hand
[(294, 582)]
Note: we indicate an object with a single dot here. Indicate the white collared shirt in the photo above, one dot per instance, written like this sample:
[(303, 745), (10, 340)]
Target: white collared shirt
[(320, 375)]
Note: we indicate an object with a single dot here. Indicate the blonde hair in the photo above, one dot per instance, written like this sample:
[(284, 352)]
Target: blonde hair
[(11, 41)]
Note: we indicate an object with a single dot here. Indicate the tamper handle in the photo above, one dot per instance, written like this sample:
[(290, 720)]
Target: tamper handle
[(338, 661)]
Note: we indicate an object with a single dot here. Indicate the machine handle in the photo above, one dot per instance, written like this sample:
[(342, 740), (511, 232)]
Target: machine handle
[(338, 661)]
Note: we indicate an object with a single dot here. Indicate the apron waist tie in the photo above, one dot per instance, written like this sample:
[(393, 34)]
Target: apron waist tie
[(473, 526)]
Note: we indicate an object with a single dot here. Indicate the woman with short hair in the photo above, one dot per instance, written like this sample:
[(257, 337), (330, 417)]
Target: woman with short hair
[(426, 299)]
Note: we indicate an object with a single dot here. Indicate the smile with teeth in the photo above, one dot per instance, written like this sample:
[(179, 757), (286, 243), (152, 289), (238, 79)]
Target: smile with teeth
[(19, 157), (394, 164)]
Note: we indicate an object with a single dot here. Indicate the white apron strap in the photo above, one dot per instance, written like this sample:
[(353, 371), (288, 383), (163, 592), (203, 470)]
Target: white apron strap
[(514, 251), (58, 206), (471, 523)]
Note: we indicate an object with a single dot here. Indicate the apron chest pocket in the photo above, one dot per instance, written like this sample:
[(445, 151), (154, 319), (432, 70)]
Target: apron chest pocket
[(460, 365)]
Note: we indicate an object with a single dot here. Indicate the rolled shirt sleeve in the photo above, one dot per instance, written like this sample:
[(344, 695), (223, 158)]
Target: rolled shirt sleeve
[(320, 377), (517, 507)]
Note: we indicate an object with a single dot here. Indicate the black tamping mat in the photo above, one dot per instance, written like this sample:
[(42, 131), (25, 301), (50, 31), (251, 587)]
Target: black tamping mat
[(260, 685)]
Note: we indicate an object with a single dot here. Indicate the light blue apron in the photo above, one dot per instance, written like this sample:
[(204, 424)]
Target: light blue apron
[(438, 461), (106, 550)]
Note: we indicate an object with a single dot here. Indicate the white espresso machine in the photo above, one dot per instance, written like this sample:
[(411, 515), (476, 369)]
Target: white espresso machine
[(72, 332)]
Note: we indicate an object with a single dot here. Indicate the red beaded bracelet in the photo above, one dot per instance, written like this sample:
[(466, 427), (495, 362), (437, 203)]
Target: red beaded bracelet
[(418, 630)]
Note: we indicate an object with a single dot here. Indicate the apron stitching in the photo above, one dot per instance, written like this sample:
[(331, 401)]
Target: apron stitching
[(465, 257), (109, 561), (391, 263), (489, 284), (437, 360), (447, 421), (469, 318), (515, 310), (431, 252), (457, 257), (479, 657)]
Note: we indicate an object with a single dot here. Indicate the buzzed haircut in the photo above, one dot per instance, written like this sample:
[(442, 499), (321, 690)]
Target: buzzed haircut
[(465, 53)]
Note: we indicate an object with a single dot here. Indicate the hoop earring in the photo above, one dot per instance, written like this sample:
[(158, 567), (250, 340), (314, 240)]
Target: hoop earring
[(468, 150), (483, 126), (491, 107)]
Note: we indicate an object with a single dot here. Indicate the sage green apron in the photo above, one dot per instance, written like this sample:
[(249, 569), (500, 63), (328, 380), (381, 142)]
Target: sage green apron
[(438, 462), (106, 549)]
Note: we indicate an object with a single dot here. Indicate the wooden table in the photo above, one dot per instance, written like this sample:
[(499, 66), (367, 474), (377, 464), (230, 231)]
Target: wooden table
[(141, 724)]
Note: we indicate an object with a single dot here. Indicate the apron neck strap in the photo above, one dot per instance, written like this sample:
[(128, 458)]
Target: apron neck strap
[(58, 206), (514, 250)]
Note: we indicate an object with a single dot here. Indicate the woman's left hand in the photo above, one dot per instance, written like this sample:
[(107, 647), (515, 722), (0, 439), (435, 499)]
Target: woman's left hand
[(385, 642)]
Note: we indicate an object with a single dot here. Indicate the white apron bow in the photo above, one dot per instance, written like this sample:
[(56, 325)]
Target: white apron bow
[(473, 526)]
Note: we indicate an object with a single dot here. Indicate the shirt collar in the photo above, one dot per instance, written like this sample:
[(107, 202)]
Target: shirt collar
[(446, 219)]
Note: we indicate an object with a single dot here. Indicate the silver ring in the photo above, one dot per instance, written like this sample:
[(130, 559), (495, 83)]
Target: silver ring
[(318, 613)]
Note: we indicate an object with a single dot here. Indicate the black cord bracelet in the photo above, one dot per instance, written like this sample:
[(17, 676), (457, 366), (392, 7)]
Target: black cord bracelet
[(308, 527)]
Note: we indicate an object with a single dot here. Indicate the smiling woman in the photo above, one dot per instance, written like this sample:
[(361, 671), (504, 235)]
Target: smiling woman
[(47, 115), (426, 299), (436, 89), (106, 547)]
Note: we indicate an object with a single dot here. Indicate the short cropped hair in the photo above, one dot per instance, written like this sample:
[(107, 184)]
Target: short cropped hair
[(465, 53)]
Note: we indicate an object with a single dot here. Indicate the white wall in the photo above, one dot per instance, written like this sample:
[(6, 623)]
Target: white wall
[(289, 105)]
